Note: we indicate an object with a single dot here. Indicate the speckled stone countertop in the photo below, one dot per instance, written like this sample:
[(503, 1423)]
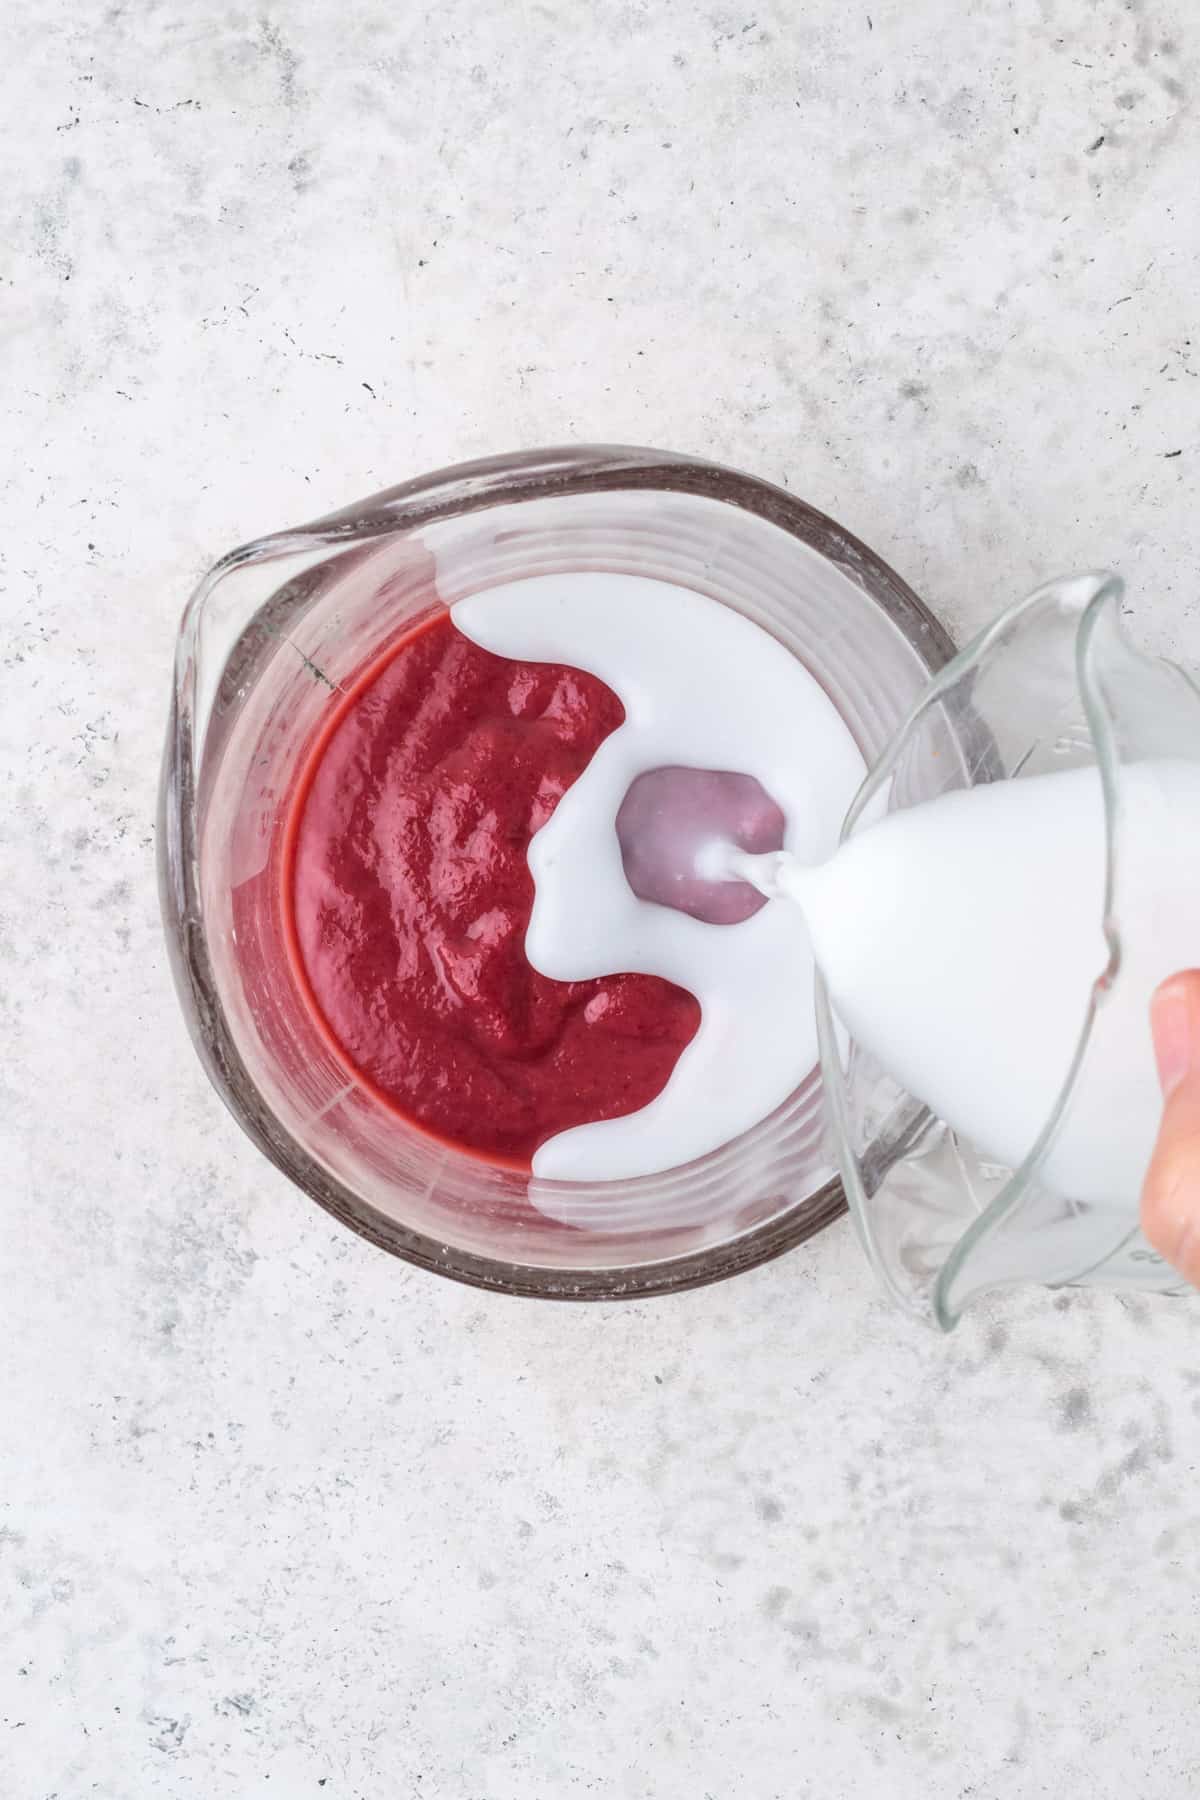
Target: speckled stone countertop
[(278, 1515)]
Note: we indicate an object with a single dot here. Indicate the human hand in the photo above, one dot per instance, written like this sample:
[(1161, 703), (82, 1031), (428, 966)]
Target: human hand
[(1171, 1193)]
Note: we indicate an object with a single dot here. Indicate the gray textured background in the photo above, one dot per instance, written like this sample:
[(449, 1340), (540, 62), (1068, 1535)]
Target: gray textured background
[(277, 1515)]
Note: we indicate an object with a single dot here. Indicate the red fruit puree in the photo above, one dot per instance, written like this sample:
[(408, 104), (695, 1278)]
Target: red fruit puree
[(409, 897)]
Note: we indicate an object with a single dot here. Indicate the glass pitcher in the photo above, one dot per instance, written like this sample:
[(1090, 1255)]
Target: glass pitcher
[(1053, 683), (281, 624)]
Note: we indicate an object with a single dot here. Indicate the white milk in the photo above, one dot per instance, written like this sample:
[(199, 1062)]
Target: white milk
[(961, 939), (702, 688)]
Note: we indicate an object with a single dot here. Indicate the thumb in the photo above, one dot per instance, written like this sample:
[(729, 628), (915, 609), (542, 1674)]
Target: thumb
[(1171, 1194)]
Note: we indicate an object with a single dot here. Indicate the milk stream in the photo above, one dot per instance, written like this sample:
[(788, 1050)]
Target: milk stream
[(703, 688), (961, 940)]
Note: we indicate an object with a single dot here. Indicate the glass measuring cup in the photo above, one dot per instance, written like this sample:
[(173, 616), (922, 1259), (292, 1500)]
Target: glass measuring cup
[(281, 623), (1054, 683)]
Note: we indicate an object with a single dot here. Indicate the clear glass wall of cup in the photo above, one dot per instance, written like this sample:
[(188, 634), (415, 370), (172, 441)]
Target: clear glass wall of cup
[(1052, 684), (280, 624)]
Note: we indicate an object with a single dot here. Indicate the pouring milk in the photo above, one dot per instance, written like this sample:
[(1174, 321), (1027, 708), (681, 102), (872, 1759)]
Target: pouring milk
[(961, 940)]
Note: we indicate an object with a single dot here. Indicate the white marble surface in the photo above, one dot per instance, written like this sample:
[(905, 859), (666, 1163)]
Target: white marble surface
[(279, 1516)]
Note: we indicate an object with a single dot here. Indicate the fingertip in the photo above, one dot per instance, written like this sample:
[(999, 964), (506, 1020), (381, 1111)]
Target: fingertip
[(1170, 1201), (1175, 1024)]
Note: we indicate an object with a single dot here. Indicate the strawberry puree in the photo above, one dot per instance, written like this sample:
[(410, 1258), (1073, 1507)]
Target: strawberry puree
[(409, 895)]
